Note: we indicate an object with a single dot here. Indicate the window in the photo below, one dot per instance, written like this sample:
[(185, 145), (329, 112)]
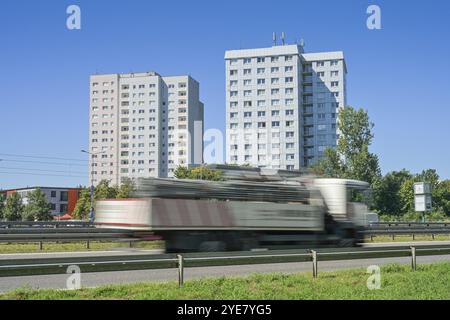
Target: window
[(260, 60), (63, 207), (334, 83), (290, 156), (247, 60), (289, 91), (289, 102), (274, 80), (233, 72), (290, 145), (333, 62), (53, 194), (288, 58), (247, 103), (233, 114), (233, 62), (289, 79), (247, 125), (247, 93), (261, 124), (261, 113), (247, 71), (260, 70), (334, 73), (290, 134), (233, 93), (261, 92), (247, 114), (274, 59), (274, 69), (233, 83), (288, 69), (290, 112), (275, 102), (261, 103), (275, 124), (63, 196), (233, 125), (275, 91), (275, 113), (261, 81), (320, 64), (247, 82), (321, 116)]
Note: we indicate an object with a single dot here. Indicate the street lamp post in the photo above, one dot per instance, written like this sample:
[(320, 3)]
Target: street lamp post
[(91, 210)]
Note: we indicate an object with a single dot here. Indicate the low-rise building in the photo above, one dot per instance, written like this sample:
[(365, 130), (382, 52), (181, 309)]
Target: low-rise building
[(62, 200)]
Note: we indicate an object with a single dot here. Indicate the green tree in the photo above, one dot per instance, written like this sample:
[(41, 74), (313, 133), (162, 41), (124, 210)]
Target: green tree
[(83, 205), (198, 173), (2, 205), (13, 207), (125, 190), (37, 208), (441, 197), (351, 157), (386, 192), (406, 195), (102, 191)]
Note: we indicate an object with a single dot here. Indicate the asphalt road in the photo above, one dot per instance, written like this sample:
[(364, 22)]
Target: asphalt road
[(122, 277)]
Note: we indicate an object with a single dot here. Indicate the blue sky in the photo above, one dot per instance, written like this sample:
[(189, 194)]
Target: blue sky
[(400, 74)]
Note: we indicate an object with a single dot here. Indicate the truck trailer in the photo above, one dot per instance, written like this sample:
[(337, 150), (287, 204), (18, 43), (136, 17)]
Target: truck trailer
[(241, 213)]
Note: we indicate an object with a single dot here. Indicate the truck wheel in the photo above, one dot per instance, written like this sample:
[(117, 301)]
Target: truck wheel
[(346, 243), (212, 246)]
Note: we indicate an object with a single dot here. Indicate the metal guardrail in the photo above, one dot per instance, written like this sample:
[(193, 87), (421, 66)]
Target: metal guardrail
[(46, 231), (45, 224), (21, 267)]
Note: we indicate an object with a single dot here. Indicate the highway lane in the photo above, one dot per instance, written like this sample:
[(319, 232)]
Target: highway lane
[(122, 277)]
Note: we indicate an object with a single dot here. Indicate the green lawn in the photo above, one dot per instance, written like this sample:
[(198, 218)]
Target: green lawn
[(74, 246), (397, 282), (407, 238)]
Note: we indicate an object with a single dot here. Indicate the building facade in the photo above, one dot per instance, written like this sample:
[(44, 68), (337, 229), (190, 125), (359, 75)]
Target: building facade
[(143, 125), (282, 105), (62, 200)]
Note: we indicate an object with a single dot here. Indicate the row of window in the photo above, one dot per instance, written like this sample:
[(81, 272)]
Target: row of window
[(262, 59), (286, 69), (262, 125), (274, 113)]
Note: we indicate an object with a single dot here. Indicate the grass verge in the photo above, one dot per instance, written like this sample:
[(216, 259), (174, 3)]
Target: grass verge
[(33, 247), (397, 282)]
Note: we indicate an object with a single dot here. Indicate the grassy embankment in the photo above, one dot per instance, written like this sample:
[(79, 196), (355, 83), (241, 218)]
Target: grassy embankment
[(74, 246), (397, 282)]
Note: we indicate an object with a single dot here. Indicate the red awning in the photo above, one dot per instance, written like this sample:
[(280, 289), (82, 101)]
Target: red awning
[(64, 217)]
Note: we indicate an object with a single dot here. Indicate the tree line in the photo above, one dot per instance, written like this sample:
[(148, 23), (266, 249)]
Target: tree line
[(392, 193), (37, 207)]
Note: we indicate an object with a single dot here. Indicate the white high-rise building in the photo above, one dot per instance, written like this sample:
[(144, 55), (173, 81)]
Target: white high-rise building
[(282, 105), (143, 125)]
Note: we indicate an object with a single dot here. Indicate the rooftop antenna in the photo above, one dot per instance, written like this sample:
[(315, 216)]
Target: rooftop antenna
[(282, 38), (302, 42), (274, 38)]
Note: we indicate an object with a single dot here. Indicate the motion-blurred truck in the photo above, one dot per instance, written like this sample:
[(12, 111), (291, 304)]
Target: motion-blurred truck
[(251, 209)]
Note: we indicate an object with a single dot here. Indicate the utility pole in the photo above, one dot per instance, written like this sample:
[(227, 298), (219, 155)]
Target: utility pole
[(92, 189)]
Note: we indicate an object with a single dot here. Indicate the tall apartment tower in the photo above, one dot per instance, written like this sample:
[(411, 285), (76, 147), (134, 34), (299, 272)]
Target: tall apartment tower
[(282, 105), (143, 125)]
